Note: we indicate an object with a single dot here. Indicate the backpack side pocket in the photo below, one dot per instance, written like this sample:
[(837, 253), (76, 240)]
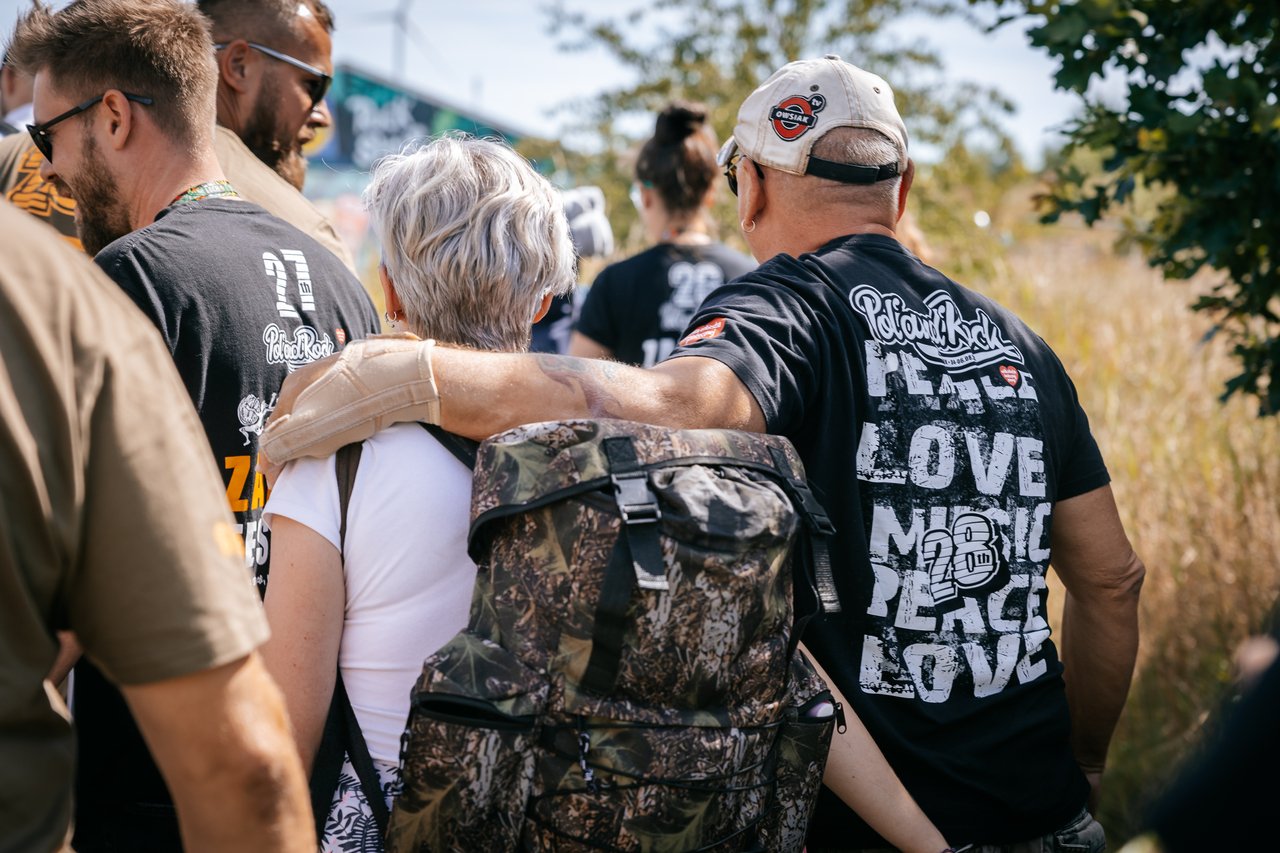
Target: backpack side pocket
[(800, 755), (466, 756)]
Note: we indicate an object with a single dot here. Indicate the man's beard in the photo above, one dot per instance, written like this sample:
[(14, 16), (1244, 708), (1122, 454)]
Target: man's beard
[(264, 138), (100, 211)]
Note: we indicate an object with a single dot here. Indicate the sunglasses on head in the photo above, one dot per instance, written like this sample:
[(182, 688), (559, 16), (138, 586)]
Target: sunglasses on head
[(40, 132), (316, 88)]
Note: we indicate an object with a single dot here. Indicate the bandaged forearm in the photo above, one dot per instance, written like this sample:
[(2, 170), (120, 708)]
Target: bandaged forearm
[(374, 383)]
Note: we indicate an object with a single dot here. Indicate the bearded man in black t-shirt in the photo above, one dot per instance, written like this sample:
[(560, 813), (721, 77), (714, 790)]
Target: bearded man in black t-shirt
[(124, 104), (945, 439)]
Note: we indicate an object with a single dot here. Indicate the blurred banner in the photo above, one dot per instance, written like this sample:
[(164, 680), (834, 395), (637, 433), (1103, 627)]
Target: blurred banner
[(372, 117)]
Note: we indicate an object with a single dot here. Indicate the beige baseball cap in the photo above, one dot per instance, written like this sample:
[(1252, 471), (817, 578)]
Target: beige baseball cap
[(779, 122)]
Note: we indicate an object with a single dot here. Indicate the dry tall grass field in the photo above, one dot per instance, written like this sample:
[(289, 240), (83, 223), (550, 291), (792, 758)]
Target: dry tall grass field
[(1196, 481)]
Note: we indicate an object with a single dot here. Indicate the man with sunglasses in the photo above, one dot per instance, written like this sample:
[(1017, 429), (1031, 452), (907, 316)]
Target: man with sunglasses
[(274, 69), (124, 102), (943, 436)]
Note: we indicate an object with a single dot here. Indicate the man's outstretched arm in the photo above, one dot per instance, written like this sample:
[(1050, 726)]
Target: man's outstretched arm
[(372, 384)]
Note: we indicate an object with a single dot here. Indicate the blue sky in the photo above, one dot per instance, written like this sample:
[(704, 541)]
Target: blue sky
[(498, 56)]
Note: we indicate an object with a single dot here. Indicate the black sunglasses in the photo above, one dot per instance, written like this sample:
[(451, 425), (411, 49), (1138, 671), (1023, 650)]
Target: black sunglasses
[(40, 132), (731, 171), (316, 88)]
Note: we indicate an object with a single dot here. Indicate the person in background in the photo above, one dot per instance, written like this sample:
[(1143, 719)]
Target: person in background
[(20, 180), (15, 98), (274, 68), (124, 103), (276, 105), (21, 185), (592, 238), (1223, 797), (398, 586), (113, 523), (636, 309)]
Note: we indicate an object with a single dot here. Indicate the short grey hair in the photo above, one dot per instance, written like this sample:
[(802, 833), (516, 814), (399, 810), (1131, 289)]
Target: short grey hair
[(862, 147), (472, 237)]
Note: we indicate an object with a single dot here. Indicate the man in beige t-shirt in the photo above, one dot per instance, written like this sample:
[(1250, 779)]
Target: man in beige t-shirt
[(21, 184), (113, 524)]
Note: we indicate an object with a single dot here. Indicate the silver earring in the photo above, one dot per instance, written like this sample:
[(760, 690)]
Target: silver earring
[(391, 316), (745, 229)]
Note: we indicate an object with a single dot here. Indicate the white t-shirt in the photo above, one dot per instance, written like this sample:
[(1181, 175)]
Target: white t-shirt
[(407, 572)]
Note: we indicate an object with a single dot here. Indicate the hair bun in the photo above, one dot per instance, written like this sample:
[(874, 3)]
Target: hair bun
[(677, 122)]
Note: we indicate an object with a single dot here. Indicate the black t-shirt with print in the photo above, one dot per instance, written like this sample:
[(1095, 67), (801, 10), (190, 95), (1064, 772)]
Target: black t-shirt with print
[(241, 298), (639, 307), (938, 431)]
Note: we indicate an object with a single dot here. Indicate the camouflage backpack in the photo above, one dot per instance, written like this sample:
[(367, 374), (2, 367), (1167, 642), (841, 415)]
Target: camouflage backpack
[(629, 679)]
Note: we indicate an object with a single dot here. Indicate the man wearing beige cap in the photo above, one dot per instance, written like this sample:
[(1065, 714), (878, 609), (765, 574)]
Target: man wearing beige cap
[(944, 437)]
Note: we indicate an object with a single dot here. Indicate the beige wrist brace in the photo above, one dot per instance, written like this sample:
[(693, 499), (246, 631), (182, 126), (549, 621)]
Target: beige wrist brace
[(382, 380)]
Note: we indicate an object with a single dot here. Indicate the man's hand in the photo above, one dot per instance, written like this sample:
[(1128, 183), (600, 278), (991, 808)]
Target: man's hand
[(348, 397)]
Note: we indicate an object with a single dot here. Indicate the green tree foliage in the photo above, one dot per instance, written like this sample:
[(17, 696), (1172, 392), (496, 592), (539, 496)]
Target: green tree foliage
[(718, 51), (1198, 125)]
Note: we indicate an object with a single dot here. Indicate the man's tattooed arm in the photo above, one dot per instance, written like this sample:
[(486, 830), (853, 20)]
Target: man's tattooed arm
[(595, 380)]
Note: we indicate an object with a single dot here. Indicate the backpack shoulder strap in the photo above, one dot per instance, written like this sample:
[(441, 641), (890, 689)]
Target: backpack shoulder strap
[(815, 586), (463, 449), (342, 735)]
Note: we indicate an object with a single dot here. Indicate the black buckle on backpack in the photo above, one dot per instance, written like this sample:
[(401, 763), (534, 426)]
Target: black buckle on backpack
[(636, 502)]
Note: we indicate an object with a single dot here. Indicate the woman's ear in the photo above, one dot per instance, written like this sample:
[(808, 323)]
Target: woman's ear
[(389, 296), (543, 308)]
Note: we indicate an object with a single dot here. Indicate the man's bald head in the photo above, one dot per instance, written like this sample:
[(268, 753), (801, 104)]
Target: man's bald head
[(857, 146)]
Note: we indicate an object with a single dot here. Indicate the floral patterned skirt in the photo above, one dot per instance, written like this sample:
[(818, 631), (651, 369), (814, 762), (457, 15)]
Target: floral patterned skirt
[(350, 827)]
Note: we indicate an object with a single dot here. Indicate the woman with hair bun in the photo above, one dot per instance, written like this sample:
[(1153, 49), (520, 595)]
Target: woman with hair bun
[(638, 308)]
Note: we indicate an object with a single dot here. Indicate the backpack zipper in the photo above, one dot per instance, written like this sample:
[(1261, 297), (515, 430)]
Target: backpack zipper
[(468, 711)]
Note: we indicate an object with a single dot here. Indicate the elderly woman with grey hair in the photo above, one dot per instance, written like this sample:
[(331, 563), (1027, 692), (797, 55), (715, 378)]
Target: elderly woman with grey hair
[(474, 245)]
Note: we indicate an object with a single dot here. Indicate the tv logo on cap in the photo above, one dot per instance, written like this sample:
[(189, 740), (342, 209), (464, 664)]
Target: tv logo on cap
[(794, 116)]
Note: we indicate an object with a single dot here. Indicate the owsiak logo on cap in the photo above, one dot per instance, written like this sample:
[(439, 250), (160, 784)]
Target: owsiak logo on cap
[(794, 116)]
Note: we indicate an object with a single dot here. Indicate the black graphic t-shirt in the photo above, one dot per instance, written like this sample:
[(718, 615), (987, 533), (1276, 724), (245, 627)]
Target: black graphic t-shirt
[(241, 298), (639, 307), (939, 431)]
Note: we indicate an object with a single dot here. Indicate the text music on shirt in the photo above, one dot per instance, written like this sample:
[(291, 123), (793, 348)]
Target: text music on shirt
[(959, 519)]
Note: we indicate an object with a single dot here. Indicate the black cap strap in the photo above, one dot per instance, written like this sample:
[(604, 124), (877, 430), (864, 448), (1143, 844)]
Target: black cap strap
[(846, 173)]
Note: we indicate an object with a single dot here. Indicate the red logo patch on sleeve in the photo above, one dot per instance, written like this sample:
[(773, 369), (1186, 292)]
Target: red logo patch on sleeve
[(703, 333)]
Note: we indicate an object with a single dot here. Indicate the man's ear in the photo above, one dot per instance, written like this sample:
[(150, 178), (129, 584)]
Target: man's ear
[(117, 114), (389, 295), (904, 188), (234, 65), (751, 191)]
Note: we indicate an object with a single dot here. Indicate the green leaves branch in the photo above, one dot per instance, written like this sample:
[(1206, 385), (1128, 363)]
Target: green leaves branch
[(1197, 129)]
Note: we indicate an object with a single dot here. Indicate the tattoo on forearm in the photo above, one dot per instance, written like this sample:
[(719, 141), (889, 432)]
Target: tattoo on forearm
[(590, 377)]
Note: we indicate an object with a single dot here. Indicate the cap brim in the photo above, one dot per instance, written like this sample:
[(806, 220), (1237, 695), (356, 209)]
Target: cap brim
[(726, 152)]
